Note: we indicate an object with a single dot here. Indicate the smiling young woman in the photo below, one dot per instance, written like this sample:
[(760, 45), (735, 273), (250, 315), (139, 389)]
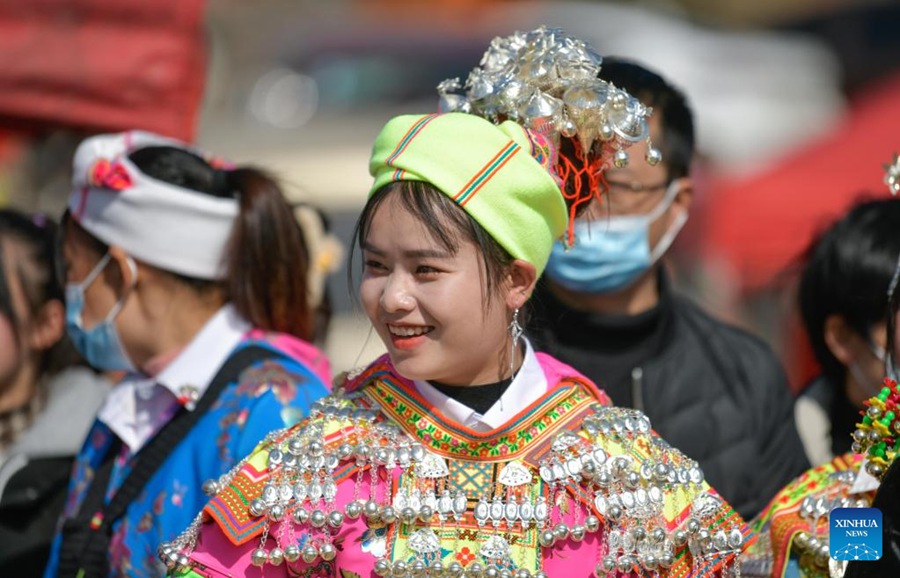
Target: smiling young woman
[(403, 471)]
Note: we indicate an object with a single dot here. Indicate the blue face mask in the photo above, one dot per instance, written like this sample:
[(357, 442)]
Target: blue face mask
[(609, 254), (100, 345)]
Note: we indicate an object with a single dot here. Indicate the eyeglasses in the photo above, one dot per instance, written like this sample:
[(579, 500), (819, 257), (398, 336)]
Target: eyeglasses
[(629, 196), (634, 186)]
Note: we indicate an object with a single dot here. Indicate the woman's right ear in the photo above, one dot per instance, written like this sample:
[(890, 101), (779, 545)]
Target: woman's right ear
[(124, 270), (522, 279)]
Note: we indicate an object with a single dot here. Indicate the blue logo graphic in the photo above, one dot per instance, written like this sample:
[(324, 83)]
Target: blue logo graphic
[(855, 534)]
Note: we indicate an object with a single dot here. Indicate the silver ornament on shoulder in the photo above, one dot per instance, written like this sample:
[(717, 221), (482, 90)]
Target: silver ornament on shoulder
[(495, 548), (705, 505), (424, 541), (432, 466), (514, 474)]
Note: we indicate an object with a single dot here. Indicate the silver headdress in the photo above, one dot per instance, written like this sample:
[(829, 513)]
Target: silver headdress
[(892, 175), (547, 81)]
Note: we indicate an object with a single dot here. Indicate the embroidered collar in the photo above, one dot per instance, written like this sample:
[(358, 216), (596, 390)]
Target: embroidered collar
[(548, 413)]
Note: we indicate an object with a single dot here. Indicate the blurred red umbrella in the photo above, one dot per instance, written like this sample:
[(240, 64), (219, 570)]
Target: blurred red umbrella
[(102, 65), (761, 224)]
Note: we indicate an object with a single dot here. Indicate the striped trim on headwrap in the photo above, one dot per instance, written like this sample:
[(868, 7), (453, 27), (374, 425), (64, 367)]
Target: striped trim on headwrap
[(500, 174), (487, 172)]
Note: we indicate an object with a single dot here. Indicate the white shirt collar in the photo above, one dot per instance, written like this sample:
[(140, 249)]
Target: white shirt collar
[(134, 409), (527, 387), (199, 362)]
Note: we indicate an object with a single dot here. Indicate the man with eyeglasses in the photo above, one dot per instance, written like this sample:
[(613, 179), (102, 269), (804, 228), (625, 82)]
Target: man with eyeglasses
[(606, 307)]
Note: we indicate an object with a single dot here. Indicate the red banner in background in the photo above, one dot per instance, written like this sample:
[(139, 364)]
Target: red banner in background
[(102, 65)]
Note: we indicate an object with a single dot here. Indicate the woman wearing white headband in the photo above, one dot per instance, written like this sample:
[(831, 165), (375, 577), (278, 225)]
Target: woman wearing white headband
[(190, 277)]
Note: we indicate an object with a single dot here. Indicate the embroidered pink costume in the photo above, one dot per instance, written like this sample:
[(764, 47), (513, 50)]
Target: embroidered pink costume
[(377, 482)]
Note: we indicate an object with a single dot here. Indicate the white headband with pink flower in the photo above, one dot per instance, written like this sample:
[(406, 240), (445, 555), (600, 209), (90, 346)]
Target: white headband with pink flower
[(161, 224)]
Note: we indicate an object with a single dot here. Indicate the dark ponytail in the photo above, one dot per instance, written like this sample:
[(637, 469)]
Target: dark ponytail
[(268, 252), (267, 257)]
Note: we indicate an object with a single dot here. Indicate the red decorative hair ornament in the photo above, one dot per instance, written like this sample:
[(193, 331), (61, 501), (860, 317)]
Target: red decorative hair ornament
[(109, 175)]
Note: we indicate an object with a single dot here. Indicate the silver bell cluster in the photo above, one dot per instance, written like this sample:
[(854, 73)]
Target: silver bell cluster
[(547, 81), (815, 509), (175, 554)]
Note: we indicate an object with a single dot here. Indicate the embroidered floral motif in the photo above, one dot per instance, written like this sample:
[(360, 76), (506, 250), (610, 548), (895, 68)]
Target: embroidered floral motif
[(179, 490), (119, 553), (159, 503), (465, 556), (270, 375), (545, 153), (444, 437), (145, 522)]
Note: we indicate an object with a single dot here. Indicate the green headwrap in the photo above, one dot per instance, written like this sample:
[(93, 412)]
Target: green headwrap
[(499, 174)]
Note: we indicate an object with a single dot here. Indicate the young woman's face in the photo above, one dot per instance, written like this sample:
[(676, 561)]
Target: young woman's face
[(429, 306), (867, 365)]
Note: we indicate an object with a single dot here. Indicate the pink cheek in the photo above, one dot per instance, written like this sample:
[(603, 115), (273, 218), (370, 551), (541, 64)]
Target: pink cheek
[(368, 295), (7, 335)]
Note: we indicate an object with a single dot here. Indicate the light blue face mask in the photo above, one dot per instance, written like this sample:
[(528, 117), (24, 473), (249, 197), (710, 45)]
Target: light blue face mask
[(100, 345), (611, 253)]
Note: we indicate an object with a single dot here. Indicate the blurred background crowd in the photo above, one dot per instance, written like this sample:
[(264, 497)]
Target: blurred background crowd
[(794, 103), (792, 234)]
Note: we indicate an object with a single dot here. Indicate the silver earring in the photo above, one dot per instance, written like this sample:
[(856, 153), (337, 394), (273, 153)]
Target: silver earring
[(515, 333)]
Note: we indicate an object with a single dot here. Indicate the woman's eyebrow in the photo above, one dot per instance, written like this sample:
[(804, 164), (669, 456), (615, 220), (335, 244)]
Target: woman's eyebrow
[(412, 253)]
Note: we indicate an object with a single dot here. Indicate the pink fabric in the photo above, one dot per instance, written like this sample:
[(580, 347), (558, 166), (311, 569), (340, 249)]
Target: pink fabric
[(555, 370), (299, 349), (357, 550)]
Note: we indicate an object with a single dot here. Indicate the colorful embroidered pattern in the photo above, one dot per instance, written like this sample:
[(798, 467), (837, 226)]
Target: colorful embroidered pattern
[(109, 175), (781, 519), (230, 507), (242, 416), (475, 478), (401, 402), (544, 152), (464, 466)]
